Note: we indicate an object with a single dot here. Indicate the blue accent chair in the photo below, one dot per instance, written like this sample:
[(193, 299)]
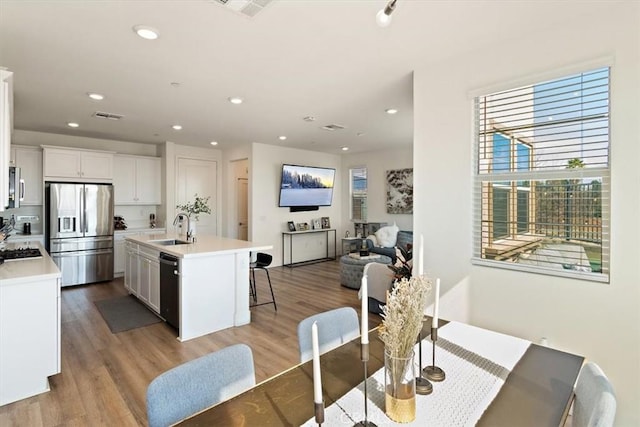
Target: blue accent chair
[(335, 327), (595, 404), (195, 385)]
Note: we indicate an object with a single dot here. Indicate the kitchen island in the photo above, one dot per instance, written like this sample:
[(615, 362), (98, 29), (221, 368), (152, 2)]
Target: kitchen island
[(29, 324), (212, 279)]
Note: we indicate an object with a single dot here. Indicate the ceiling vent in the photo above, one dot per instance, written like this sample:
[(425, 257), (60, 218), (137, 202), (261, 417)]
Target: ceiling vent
[(248, 8), (110, 116), (333, 127)]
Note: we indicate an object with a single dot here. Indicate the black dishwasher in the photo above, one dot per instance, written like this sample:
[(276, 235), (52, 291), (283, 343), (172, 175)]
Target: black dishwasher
[(170, 289)]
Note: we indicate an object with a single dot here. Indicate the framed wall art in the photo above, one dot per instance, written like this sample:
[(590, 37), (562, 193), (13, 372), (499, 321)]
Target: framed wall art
[(400, 191)]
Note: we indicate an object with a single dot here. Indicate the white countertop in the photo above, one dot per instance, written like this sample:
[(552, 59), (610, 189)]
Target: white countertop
[(204, 246), (25, 270)]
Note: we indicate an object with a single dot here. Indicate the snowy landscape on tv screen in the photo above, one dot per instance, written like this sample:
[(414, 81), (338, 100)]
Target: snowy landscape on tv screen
[(306, 186)]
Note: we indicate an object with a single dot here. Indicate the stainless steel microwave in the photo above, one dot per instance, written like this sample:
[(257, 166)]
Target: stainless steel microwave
[(16, 187)]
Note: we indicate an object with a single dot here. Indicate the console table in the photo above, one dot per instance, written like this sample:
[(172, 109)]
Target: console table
[(292, 234)]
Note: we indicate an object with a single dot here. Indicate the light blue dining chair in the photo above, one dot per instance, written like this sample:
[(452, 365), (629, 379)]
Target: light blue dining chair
[(595, 404), (335, 327), (195, 385)]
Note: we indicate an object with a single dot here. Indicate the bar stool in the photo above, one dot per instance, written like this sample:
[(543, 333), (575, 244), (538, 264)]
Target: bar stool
[(262, 261)]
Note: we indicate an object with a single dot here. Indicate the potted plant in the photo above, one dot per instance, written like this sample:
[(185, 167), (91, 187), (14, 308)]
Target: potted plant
[(194, 209)]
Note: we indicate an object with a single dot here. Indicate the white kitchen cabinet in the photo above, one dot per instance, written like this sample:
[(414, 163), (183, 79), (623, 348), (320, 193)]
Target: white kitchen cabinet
[(154, 285), (6, 129), (29, 160), (136, 180), (120, 248), (29, 334), (142, 274), (149, 277), (75, 164), (131, 268), (119, 255)]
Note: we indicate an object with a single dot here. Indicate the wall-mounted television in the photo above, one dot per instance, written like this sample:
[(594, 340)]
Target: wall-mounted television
[(306, 187)]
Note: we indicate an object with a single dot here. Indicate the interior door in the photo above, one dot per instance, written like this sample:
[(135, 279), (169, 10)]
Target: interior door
[(199, 177), (242, 192)]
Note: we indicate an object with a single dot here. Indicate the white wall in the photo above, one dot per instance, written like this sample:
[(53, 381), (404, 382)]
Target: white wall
[(267, 219), (599, 321), (377, 164), (25, 137)]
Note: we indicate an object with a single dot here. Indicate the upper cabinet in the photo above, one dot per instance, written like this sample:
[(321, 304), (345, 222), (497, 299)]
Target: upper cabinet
[(6, 128), (71, 164), (29, 160), (136, 180)]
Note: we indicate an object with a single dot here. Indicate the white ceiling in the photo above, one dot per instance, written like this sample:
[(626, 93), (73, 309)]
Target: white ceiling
[(323, 58)]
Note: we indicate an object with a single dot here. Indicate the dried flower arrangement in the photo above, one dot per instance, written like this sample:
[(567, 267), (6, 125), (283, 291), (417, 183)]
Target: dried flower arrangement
[(403, 314), (199, 206)]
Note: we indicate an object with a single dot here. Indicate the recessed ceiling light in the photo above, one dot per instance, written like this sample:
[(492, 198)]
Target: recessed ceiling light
[(95, 96), (176, 127), (282, 137), (235, 100), (214, 143), (391, 111), (345, 148), (73, 125), (146, 32)]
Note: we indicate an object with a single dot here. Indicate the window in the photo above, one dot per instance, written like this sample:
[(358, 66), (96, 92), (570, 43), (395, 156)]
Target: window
[(542, 177), (358, 193)]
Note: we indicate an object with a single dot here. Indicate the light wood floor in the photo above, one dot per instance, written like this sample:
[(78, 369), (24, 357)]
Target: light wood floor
[(105, 376)]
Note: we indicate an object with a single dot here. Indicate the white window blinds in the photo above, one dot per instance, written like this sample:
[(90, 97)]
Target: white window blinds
[(541, 192)]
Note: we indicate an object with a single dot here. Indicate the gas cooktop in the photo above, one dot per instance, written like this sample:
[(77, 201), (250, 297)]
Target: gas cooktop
[(19, 253)]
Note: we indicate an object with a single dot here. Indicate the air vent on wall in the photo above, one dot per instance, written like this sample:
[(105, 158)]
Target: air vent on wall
[(110, 116), (333, 127), (248, 8)]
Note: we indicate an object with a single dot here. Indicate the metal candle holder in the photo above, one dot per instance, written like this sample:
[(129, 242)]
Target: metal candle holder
[(423, 386), (364, 354), (319, 410), (433, 372)]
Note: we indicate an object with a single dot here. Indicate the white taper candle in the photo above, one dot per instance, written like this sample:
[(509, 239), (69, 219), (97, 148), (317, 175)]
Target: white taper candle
[(421, 256), (364, 329), (434, 322), (317, 380)]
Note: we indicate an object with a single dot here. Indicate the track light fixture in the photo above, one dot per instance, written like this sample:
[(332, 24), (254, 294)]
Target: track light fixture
[(383, 18)]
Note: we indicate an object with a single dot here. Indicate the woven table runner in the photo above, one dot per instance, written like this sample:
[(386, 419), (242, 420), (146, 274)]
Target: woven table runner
[(476, 363)]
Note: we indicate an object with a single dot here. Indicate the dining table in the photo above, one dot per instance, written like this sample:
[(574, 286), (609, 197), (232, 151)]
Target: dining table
[(536, 391)]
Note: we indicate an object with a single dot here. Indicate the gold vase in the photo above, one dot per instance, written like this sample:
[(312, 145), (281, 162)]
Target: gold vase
[(400, 388)]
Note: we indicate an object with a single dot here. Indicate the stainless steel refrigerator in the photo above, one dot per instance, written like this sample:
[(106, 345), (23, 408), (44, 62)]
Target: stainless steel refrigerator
[(79, 231)]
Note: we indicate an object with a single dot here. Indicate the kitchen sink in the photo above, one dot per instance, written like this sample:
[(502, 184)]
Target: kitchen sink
[(169, 242)]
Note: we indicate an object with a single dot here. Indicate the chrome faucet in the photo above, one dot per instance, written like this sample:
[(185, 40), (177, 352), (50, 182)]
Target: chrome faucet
[(190, 238)]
